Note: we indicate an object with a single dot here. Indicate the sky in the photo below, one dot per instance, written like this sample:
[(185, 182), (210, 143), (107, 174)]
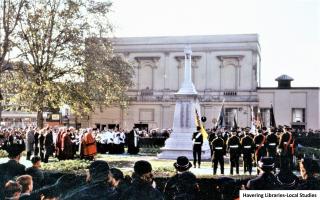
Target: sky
[(289, 30)]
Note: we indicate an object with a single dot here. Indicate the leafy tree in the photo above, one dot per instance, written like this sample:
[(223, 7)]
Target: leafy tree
[(59, 65), (10, 11)]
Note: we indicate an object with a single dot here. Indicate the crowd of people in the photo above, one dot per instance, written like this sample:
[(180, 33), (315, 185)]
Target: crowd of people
[(277, 143), (101, 182), (267, 149)]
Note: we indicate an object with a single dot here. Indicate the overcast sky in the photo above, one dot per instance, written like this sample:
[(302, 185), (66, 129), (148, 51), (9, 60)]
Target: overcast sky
[(289, 30)]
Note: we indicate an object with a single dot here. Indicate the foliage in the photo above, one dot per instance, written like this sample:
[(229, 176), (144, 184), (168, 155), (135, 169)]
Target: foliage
[(150, 151), (57, 65), (309, 152), (66, 165), (3, 153), (10, 11)]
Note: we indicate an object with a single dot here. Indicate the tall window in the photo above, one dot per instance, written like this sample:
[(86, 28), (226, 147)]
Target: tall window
[(265, 116), (298, 115), (229, 117)]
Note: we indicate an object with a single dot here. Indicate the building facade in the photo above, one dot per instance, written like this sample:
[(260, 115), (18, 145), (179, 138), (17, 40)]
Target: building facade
[(224, 68)]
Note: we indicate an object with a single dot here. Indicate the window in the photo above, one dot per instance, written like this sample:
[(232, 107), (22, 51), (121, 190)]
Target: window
[(298, 115), (229, 116), (265, 116)]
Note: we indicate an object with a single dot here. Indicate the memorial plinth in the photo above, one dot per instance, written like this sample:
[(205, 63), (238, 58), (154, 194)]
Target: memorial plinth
[(180, 141)]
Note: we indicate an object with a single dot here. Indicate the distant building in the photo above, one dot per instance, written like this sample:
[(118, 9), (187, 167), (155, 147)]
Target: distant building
[(224, 67)]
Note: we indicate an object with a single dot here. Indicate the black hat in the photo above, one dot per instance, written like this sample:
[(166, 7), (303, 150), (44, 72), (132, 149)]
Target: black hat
[(142, 167), (266, 163), (116, 173), (14, 150), (99, 169), (182, 164)]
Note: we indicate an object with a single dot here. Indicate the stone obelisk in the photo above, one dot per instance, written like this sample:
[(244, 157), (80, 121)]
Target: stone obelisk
[(180, 141)]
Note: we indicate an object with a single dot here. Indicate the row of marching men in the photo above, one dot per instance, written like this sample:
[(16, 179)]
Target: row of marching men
[(276, 143)]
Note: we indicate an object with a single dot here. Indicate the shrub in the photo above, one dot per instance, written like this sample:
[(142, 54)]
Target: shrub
[(3, 154)]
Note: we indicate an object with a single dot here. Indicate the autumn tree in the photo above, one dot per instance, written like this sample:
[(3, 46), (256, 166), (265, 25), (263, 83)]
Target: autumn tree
[(10, 12), (59, 64)]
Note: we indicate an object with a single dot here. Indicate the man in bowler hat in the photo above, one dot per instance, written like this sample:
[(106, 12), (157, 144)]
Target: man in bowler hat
[(266, 180), (183, 185)]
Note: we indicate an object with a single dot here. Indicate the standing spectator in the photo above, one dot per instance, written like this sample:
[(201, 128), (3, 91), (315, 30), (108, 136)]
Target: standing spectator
[(41, 144), (66, 146), (184, 184), (133, 142), (36, 172), (266, 180), (27, 185), (12, 190), (29, 142), (36, 142), (48, 144), (89, 145), (141, 187)]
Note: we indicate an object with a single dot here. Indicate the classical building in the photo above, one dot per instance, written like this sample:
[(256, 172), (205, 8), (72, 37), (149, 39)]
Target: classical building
[(224, 68)]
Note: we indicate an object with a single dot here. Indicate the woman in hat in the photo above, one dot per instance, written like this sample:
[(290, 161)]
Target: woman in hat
[(184, 184)]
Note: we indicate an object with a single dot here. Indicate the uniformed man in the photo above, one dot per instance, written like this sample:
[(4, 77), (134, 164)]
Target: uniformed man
[(233, 145), (197, 140), (212, 136), (286, 148), (260, 151), (272, 143), (247, 146), (219, 150)]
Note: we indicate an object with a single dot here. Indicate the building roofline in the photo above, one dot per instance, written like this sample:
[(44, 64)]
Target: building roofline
[(291, 88), (191, 39)]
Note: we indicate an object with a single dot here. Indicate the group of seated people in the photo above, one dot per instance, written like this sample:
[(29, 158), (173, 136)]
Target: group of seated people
[(103, 182)]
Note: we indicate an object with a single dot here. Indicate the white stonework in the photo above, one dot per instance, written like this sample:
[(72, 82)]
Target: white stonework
[(223, 67), (180, 141)]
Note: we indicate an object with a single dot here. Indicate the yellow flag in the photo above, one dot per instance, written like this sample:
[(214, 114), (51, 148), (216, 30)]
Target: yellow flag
[(202, 130)]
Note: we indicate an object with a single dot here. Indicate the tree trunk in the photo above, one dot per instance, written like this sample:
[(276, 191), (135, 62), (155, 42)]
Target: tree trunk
[(40, 119)]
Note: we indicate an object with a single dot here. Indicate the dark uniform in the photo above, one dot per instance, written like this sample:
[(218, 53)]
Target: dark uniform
[(197, 144), (271, 144), (260, 150), (286, 149), (233, 145), (219, 149), (247, 146), (211, 137)]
